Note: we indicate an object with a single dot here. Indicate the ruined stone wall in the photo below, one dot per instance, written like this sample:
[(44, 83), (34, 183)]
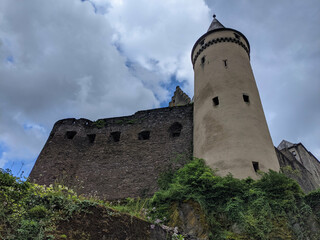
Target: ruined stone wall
[(291, 167), (116, 158)]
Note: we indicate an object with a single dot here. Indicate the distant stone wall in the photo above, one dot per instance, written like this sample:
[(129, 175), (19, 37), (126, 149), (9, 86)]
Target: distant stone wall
[(294, 169), (116, 158)]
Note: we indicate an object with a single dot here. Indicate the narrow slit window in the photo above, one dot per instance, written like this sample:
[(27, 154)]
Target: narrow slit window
[(225, 62), (203, 60), (115, 136), (201, 42), (215, 101), (246, 98), (255, 166), (91, 137), (144, 135), (70, 134), (237, 36)]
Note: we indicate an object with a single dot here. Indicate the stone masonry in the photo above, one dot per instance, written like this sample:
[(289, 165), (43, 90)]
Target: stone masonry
[(115, 158)]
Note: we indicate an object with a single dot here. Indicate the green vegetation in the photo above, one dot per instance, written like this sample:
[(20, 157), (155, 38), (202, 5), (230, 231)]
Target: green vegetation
[(99, 123), (126, 121), (269, 208), (262, 209), (30, 211)]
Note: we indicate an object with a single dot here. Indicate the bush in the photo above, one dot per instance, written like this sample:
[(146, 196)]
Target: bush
[(256, 207)]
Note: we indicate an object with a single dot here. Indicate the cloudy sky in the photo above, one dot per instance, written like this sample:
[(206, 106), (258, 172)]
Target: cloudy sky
[(105, 58)]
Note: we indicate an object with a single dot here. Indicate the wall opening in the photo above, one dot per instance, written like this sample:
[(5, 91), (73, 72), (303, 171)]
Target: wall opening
[(91, 137), (144, 135), (237, 36), (175, 129), (70, 134), (201, 42), (246, 98), (255, 166), (115, 136), (203, 59), (225, 63), (215, 101)]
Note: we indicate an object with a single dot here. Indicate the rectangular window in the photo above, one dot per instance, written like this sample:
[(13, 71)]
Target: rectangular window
[(91, 137), (203, 60), (225, 62), (255, 166), (215, 101), (70, 134), (144, 135), (246, 98)]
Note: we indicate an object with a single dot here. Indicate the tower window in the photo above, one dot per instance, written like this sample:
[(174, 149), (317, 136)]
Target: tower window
[(144, 135), (225, 62), (70, 134), (215, 101), (237, 36), (255, 166), (115, 136), (203, 59), (91, 137), (201, 42), (246, 98), (175, 129)]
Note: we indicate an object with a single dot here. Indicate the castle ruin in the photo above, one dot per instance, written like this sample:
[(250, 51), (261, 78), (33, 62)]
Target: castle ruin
[(121, 157)]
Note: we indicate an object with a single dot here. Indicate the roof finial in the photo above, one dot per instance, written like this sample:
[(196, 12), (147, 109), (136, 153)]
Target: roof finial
[(214, 16)]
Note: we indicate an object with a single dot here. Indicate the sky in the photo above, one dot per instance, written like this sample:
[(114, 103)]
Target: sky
[(105, 58)]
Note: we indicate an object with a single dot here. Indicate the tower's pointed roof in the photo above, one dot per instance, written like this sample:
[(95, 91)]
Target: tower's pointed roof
[(215, 24)]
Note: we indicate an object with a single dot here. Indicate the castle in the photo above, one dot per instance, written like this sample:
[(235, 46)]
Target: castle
[(225, 125)]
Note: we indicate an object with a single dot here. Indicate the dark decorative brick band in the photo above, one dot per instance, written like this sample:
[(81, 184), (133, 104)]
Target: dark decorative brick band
[(220, 40)]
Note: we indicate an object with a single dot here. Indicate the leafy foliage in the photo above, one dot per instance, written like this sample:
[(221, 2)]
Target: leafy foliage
[(99, 123), (261, 209), (30, 211)]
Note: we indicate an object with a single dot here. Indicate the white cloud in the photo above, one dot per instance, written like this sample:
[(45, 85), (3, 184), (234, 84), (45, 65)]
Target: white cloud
[(61, 59)]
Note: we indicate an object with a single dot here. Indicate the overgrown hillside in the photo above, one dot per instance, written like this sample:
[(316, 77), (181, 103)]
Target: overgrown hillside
[(192, 203)]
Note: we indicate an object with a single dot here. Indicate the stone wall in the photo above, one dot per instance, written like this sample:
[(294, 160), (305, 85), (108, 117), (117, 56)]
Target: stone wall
[(116, 158), (295, 170)]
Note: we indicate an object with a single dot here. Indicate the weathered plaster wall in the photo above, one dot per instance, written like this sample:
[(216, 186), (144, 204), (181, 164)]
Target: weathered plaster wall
[(115, 169), (230, 134)]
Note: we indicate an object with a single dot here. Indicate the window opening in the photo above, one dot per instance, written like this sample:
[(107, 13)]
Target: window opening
[(203, 60), (294, 153), (144, 135), (175, 129), (236, 35), (215, 101), (201, 42), (115, 136), (255, 166), (91, 137), (246, 98), (225, 62), (70, 134)]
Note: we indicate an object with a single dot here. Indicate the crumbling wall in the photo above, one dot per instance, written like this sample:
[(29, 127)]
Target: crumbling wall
[(116, 158), (291, 167)]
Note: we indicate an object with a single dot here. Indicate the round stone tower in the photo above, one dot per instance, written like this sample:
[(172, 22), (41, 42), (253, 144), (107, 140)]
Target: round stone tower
[(230, 129)]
